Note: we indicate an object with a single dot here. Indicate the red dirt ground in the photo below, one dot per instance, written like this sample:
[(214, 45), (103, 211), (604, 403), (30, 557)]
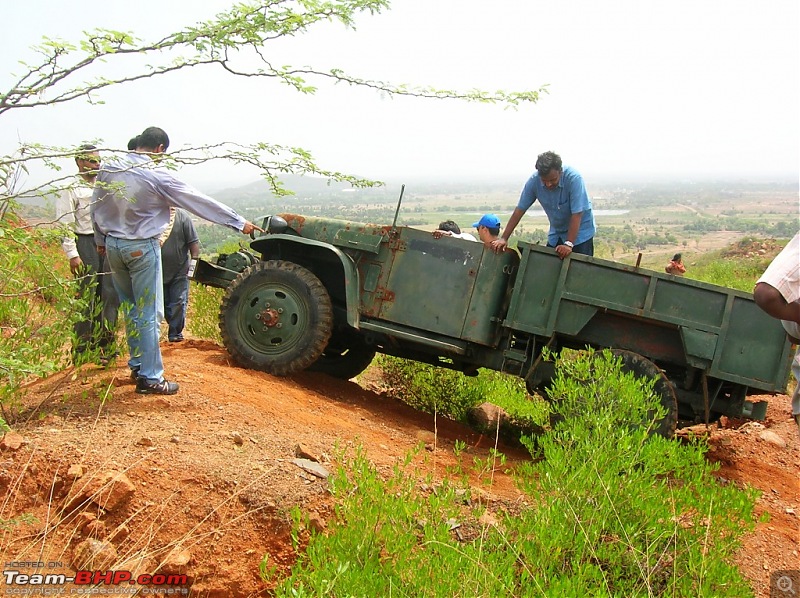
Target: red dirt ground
[(209, 481)]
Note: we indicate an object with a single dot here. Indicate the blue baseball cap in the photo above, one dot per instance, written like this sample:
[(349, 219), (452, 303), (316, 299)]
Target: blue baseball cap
[(488, 220)]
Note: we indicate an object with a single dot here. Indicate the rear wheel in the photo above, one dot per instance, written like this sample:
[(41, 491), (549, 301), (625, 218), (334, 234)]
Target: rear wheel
[(345, 357), (644, 368), (276, 317)]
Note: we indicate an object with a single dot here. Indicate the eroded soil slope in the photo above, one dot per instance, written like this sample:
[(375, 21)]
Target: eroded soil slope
[(201, 483)]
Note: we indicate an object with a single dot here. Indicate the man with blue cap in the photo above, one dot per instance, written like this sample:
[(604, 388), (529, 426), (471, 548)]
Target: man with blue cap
[(488, 229)]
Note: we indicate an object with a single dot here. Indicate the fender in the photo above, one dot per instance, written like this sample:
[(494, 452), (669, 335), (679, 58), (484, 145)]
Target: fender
[(272, 247)]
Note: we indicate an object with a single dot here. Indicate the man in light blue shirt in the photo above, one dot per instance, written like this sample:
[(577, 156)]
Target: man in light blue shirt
[(562, 195), (130, 210)]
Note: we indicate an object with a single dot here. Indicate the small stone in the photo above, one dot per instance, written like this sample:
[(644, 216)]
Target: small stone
[(237, 438), (303, 452), (75, 471), (176, 562), (95, 529), (11, 441), (312, 467), (772, 438), (94, 554), (119, 533), (316, 522), (109, 490), (145, 441)]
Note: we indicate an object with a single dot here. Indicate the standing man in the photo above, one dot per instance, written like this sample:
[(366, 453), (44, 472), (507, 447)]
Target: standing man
[(777, 292), (95, 330), (130, 211), (180, 246), (562, 194)]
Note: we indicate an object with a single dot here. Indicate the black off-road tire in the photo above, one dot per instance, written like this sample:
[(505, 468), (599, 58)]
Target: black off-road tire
[(344, 357), (276, 317), (644, 368)]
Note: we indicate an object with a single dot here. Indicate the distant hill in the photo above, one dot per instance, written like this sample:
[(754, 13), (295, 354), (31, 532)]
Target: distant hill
[(302, 186)]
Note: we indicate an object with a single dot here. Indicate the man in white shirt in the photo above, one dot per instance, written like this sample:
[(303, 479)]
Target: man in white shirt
[(95, 330), (449, 228), (777, 292)]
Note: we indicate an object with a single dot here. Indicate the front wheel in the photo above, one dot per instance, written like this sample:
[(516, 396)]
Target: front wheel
[(344, 357), (277, 317)]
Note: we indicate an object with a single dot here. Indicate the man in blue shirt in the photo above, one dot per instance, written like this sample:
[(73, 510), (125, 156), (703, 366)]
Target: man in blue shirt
[(562, 195), (130, 211)]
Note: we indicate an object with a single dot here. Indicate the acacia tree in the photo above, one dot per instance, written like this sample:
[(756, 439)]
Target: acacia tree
[(69, 72)]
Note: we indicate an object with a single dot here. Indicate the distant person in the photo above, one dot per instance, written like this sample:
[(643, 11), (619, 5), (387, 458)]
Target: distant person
[(676, 266), (488, 228), (180, 247), (132, 143), (562, 195), (130, 211), (95, 330), (777, 292), (449, 228)]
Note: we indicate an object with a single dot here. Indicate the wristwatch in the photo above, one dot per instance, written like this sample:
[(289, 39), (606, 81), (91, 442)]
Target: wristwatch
[(569, 244)]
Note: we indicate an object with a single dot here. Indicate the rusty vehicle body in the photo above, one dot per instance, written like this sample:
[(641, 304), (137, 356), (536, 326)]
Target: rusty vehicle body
[(328, 294)]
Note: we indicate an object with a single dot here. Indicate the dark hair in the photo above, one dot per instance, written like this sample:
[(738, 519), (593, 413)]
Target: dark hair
[(548, 161), (676, 257), (133, 143), (494, 230), (84, 151), (152, 137), (450, 226)]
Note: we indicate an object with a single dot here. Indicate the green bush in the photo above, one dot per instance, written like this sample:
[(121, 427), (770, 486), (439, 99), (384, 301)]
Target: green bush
[(38, 306), (740, 275), (452, 394), (203, 316), (427, 388), (612, 512), (626, 513)]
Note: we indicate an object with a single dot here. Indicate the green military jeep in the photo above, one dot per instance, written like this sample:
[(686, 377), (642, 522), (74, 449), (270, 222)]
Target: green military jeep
[(326, 294)]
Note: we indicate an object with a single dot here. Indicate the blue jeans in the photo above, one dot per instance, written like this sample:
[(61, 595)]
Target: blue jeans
[(136, 272), (176, 298)]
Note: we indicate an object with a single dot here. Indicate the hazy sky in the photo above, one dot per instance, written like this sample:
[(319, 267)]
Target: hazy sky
[(684, 89)]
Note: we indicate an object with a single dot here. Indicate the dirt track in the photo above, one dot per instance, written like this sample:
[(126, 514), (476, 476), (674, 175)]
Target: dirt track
[(211, 481)]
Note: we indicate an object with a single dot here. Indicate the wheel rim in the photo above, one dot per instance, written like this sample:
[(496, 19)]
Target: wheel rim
[(272, 318)]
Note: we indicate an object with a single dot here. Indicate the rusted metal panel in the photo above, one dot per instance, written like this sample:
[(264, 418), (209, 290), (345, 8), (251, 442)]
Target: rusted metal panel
[(754, 347), (677, 320), (430, 282), (490, 296)]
